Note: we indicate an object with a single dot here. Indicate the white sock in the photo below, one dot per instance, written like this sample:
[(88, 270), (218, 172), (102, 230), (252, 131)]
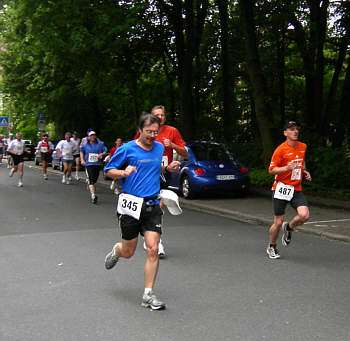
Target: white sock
[(148, 291)]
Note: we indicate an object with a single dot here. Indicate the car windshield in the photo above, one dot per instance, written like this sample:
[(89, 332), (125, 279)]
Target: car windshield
[(211, 152)]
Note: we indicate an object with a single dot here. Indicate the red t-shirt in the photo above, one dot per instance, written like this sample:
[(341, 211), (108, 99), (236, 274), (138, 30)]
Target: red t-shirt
[(284, 154), (171, 133), (112, 150)]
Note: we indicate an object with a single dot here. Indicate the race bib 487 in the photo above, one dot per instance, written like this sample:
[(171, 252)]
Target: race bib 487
[(284, 192)]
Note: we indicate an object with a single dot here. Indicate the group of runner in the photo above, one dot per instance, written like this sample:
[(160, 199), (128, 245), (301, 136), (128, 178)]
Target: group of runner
[(138, 166)]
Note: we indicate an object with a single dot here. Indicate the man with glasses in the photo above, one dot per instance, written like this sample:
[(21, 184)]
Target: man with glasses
[(171, 139), (137, 165), (288, 167)]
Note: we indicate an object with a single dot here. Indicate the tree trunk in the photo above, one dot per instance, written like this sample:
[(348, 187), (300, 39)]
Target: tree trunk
[(226, 70), (256, 77), (342, 121)]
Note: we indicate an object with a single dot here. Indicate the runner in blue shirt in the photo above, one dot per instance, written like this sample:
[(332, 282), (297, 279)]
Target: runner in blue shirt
[(137, 165), (91, 155)]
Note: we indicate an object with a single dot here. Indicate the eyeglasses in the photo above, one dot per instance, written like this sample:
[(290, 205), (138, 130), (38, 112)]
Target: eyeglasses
[(151, 132)]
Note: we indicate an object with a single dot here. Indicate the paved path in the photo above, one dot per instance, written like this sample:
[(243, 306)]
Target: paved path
[(217, 281), (329, 218)]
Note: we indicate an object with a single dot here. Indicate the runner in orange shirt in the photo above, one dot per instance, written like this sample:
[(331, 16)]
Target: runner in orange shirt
[(288, 166)]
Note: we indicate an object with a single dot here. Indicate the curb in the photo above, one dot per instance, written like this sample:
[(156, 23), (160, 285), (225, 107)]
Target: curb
[(247, 218), (235, 215)]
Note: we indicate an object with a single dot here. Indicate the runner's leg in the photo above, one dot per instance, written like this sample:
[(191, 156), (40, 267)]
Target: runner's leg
[(152, 260), (301, 218)]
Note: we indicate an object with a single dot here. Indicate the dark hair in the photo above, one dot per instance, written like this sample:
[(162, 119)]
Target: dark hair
[(45, 135), (149, 119)]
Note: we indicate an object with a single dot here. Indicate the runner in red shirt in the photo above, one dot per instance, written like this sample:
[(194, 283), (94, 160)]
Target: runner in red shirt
[(288, 166), (44, 149)]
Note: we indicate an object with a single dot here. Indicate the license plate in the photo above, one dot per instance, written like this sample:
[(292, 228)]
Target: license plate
[(225, 177)]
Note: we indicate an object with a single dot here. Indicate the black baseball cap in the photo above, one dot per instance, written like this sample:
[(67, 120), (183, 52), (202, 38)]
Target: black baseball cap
[(289, 124)]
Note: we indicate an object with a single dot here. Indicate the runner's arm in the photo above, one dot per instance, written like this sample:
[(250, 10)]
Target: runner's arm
[(121, 173)]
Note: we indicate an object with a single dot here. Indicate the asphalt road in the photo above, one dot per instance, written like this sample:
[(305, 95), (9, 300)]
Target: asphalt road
[(217, 281)]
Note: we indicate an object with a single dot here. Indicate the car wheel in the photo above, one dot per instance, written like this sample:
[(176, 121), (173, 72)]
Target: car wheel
[(186, 189)]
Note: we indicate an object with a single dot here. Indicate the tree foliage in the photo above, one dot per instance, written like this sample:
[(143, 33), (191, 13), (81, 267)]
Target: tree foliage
[(232, 71)]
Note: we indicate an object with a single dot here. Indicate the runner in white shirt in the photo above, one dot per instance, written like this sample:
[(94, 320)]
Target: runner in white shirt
[(76, 140), (7, 143), (16, 150), (45, 148), (2, 147), (66, 149)]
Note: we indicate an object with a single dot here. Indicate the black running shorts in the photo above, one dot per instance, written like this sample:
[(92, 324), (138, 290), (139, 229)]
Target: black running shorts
[(92, 173), (279, 206), (17, 159), (151, 219), (46, 157)]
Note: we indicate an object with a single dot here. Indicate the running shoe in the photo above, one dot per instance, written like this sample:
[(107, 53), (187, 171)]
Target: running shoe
[(112, 186), (45, 177), (111, 259), (11, 173), (69, 178), (20, 184), (67, 181), (151, 301), (272, 252), (63, 179), (94, 199), (161, 251), (286, 235)]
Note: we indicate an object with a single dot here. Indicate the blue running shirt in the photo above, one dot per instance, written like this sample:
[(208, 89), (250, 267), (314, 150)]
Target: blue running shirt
[(146, 182)]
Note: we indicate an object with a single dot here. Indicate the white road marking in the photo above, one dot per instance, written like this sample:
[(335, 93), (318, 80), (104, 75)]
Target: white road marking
[(326, 221)]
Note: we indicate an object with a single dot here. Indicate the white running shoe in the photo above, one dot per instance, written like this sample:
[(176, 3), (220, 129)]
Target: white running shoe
[(63, 179), (20, 184), (112, 186), (69, 178), (11, 173), (67, 181), (161, 251), (45, 177)]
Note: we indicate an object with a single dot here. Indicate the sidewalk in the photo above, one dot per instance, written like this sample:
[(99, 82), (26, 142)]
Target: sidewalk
[(329, 218)]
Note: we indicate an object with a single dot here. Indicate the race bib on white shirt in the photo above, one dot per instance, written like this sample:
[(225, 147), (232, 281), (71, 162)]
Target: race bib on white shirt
[(93, 157), (43, 149), (19, 149), (130, 205), (296, 174), (165, 160), (284, 192), (68, 156)]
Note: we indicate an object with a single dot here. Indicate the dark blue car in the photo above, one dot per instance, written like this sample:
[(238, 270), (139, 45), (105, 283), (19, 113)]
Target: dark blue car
[(210, 167)]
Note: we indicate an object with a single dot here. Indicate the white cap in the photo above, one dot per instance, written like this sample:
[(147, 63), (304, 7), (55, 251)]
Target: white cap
[(171, 201), (92, 133)]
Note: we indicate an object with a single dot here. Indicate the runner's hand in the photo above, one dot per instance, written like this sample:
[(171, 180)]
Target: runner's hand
[(167, 143), (291, 165), (174, 166), (82, 162), (307, 175), (129, 170)]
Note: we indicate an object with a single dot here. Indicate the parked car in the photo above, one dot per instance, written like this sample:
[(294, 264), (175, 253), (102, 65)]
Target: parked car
[(31, 149), (210, 167)]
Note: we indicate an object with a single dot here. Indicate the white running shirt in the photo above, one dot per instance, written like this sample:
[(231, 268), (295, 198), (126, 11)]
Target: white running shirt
[(16, 146), (67, 149)]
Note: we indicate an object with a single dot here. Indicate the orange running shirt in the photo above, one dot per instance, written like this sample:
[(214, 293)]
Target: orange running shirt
[(171, 133), (282, 156)]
